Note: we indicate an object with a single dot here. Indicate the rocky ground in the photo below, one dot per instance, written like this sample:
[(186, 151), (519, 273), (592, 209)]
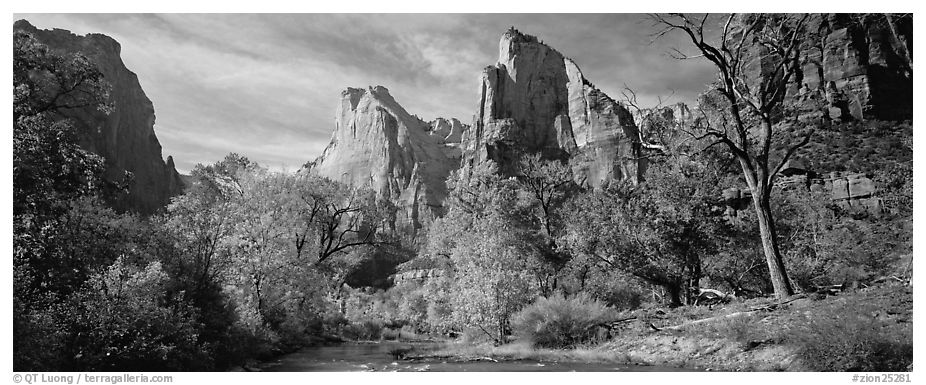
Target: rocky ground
[(754, 335)]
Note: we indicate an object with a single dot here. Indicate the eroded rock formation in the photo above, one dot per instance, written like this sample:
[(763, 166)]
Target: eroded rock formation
[(376, 143), (536, 100), (125, 137)]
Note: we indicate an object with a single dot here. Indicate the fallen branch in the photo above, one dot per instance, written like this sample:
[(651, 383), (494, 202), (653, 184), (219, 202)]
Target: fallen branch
[(775, 305), (614, 324)]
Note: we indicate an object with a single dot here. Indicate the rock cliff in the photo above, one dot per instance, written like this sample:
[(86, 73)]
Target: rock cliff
[(376, 143), (536, 100), (860, 63), (125, 137), (863, 64)]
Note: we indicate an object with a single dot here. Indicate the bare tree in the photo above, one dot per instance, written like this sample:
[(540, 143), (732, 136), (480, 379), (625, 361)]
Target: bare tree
[(755, 58), (337, 216), (655, 130)]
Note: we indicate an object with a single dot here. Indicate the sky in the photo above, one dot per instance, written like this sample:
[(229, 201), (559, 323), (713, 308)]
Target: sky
[(267, 85)]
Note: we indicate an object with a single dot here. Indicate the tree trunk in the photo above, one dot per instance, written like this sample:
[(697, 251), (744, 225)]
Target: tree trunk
[(693, 279), (776, 266), (675, 295)]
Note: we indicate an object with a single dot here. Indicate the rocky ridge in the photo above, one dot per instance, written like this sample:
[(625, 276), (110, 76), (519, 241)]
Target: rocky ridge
[(125, 137)]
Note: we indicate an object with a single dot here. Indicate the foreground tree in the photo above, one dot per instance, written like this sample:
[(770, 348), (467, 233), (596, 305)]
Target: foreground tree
[(749, 109), (493, 257), (658, 231), (545, 187), (50, 173)]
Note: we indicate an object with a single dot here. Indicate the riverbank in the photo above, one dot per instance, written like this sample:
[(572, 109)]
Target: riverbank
[(869, 329)]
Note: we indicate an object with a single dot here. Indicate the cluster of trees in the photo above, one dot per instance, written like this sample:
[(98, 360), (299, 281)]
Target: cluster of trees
[(516, 248), (245, 262), (507, 241)]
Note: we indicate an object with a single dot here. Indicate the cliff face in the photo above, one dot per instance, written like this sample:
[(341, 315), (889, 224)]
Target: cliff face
[(536, 100), (376, 143), (125, 137), (860, 63)]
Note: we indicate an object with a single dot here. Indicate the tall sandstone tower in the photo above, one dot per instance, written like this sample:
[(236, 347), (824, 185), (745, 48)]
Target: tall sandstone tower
[(376, 143), (535, 100)]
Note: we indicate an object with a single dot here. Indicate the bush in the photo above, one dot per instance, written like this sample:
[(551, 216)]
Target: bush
[(853, 338), (558, 321), (365, 330)]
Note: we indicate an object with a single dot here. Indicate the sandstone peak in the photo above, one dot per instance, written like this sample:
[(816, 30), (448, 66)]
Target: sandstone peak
[(536, 100), (511, 40), (376, 143)]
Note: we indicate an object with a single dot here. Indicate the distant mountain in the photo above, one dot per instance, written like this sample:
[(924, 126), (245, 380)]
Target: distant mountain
[(377, 144), (125, 137), (536, 100)]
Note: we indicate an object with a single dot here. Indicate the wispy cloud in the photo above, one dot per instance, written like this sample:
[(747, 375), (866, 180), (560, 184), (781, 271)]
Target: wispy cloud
[(267, 85)]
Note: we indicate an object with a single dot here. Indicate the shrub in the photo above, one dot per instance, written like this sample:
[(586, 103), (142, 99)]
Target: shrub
[(405, 333), (561, 322), (852, 338), (365, 330)]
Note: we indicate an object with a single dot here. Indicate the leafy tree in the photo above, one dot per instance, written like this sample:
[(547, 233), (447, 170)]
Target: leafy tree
[(493, 281), (50, 172), (546, 185), (48, 82), (124, 321), (493, 257), (658, 231)]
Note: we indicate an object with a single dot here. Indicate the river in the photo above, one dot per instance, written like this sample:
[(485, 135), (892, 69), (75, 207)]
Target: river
[(377, 357)]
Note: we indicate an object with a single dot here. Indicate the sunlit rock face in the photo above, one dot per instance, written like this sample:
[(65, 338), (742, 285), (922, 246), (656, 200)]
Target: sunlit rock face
[(535, 100), (125, 137), (405, 160)]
